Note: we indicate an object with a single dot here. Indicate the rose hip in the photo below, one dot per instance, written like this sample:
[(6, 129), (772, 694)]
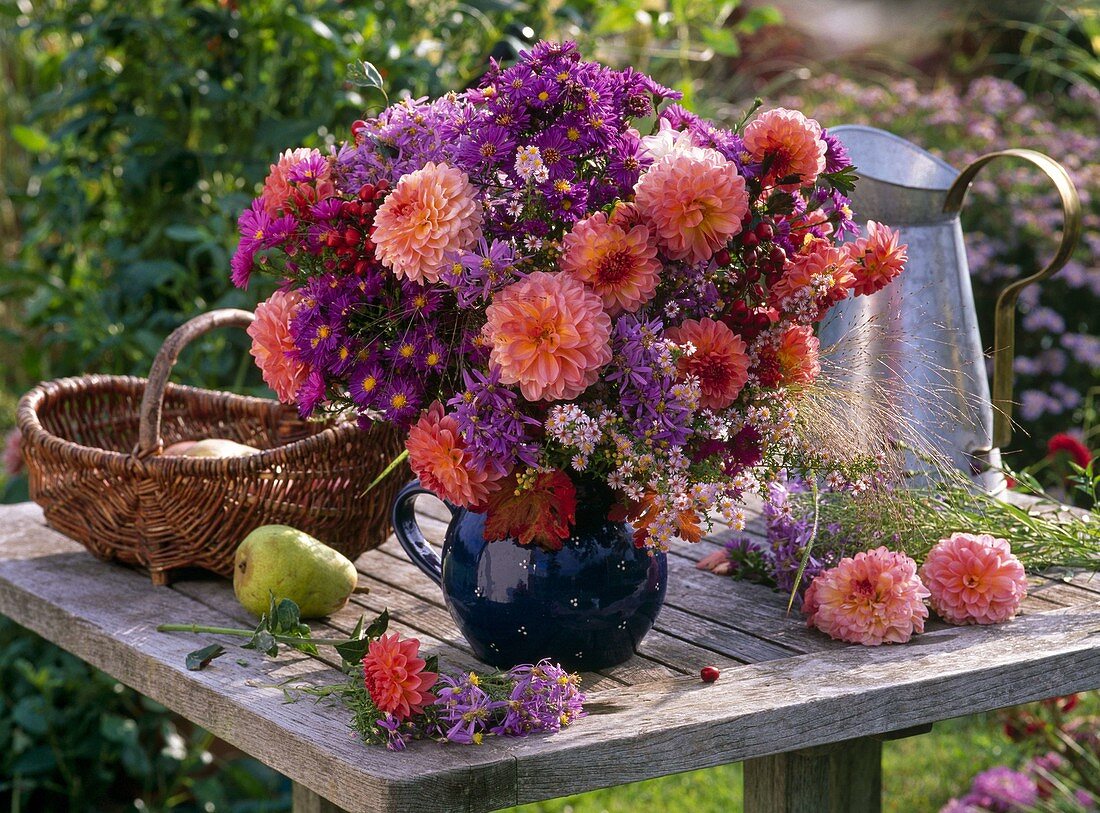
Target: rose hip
[(709, 674)]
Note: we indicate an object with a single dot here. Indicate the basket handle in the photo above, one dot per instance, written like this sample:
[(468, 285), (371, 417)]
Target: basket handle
[(152, 402)]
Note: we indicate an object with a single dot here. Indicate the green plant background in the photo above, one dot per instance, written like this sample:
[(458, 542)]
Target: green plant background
[(131, 134)]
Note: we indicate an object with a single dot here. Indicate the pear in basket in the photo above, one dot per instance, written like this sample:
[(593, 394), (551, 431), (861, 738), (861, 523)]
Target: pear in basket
[(210, 447), (287, 563)]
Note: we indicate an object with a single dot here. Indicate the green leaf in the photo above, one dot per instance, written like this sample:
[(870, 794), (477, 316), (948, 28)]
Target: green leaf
[(30, 138), (363, 74), (843, 181), (353, 650), (30, 714), (722, 40), (184, 233), (378, 626), (200, 658), (263, 641), (288, 617)]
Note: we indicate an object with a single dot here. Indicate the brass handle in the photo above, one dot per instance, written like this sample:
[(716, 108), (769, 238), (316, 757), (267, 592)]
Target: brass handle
[(1004, 313)]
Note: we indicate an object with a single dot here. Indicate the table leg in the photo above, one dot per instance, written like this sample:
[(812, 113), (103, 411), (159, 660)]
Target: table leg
[(845, 777), (303, 800)]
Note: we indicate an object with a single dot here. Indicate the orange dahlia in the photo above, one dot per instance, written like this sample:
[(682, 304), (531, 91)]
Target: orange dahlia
[(618, 264), (791, 142), (394, 673), (438, 456), (719, 360), (549, 334), (797, 356), (430, 213), (878, 258), (273, 344), (823, 267), (695, 203)]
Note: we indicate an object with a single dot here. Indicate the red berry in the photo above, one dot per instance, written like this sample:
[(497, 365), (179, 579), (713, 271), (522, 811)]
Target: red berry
[(750, 239), (366, 192), (764, 231), (722, 257), (357, 126), (352, 237), (709, 674)]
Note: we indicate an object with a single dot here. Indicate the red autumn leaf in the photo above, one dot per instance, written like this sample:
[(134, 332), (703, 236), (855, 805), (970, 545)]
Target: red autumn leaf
[(541, 515)]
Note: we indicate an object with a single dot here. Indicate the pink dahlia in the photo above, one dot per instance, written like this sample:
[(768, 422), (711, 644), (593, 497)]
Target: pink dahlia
[(619, 264), (272, 345), (438, 456), (430, 213), (279, 189), (791, 142), (549, 334), (878, 258), (719, 360), (797, 356), (974, 579), (695, 203), (823, 271), (871, 598), (394, 673)]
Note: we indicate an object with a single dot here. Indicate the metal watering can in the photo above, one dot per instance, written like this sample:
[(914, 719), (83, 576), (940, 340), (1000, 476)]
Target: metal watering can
[(917, 339)]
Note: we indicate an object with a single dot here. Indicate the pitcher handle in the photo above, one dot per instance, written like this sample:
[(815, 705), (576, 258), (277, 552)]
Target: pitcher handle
[(408, 532), (1004, 313)]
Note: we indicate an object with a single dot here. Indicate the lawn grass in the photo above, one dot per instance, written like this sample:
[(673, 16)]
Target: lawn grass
[(919, 774)]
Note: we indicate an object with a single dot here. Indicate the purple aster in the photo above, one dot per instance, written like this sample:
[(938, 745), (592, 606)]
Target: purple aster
[(465, 709), (326, 209), (836, 154), (253, 225), (311, 394), (1003, 790), (241, 266), (308, 170), (405, 352), (419, 300), (488, 416), (478, 273), (490, 145), (365, 384), (433, 357), (402, 400), (316, 340), (395, 740), (545, 698)]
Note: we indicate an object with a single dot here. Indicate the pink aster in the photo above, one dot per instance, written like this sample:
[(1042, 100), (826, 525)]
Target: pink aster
[(548, 334), (878, 258), (438, 457), (272, 345), (279, 189), (719, 359), (790, 142), (695, 203), (619, 264), (974, 579), (430, 213), (871, 598)]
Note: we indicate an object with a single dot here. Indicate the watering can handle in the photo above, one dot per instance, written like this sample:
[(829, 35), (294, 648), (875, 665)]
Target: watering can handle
[(1004, 314)]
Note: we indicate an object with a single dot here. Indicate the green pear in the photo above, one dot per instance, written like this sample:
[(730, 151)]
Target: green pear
[(287, 563), (217, 447)]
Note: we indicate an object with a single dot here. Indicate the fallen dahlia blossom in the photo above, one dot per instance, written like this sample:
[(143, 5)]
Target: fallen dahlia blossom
[(279, 186), (871, 598), (974, 579), (620, 264), (438, 456), (394, 674), (695, 203), (431, 213), (549, 334), (792, 142), (273, 345), (720, 360), (878, 258)]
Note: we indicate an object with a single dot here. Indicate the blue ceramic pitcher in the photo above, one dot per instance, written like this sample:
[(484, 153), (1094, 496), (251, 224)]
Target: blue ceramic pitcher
[(585, 606)]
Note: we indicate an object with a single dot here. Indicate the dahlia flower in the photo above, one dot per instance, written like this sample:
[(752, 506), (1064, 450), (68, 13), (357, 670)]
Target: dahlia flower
[(279, 188), (797, 356), (872, 598), (549, 334), (1078, 452), (878, 258), (695, 204), (618, 264), (273, 345), (438, 456), (974, 579), (720, 360), (430, 213), (791, 142), (824, 270), (394, 673)]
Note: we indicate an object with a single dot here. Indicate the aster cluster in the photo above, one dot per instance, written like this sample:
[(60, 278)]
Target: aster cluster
[(402, 699), (540, 293)]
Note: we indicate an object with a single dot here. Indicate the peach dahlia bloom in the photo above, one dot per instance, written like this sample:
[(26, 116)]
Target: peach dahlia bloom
[(619, 264), (695, 203), (720, 360), (549, 334), (438, 457), (794, 141), (974, 579), (394, 673), (272, 345), (798, 356), (278, 189), (871, 598), (430, 213), (878, 258), (824, 268)]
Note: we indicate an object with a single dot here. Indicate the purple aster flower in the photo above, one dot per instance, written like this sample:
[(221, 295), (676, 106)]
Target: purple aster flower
[(395, 740), (326, 209), (241, 266), (836, 154), (419, 300), (366, 383), (311, 394), (1003, 790), (478, 273), (465, 709), (494, 429), (401, 401), (488, 146), (253, 225), (309, 169), (545, 698)]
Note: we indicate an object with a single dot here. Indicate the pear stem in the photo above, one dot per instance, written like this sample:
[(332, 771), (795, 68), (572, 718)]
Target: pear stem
[(283, 639)]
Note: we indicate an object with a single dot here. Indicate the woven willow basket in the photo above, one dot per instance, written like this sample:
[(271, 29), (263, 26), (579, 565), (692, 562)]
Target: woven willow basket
[(93, 451)]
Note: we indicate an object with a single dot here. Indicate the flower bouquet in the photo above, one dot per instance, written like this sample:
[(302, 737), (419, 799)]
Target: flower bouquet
[(563, 275)]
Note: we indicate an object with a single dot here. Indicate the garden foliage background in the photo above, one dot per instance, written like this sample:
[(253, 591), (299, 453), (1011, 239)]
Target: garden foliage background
[(133, 131)]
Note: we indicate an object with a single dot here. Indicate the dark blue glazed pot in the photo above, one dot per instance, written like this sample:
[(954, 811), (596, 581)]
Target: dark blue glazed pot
[(585, 606)]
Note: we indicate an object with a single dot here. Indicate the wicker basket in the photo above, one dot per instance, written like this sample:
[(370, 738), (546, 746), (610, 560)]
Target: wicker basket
[(93, 450)]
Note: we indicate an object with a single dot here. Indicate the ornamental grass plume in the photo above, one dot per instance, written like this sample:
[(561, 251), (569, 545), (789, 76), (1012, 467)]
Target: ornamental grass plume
[(396, 678), (974, 579), (871, 598), (273, 345)]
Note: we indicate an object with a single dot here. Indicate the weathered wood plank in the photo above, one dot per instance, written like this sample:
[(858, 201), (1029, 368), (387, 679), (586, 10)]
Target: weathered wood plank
[(844, 778), (303, 800)]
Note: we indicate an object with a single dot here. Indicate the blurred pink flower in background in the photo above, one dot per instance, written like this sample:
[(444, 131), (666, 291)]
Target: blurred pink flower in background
[(13, 453)]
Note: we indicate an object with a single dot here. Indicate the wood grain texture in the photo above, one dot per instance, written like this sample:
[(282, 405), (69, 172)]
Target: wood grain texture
[(843, 778), (303, 800)]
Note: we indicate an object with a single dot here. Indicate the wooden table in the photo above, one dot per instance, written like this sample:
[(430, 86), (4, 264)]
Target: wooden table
[(806, 714)]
